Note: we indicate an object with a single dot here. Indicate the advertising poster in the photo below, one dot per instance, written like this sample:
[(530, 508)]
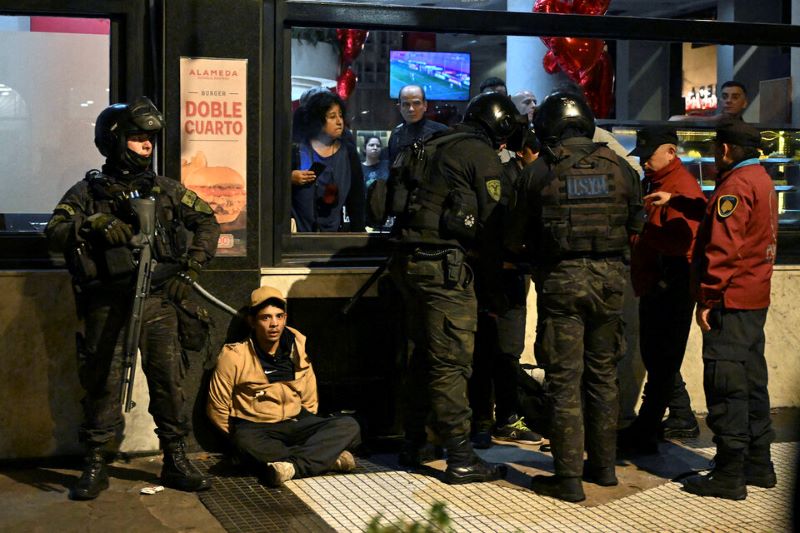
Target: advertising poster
[(214, 142)]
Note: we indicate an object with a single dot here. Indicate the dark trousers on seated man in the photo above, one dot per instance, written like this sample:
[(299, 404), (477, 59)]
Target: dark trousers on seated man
[(311, 443)]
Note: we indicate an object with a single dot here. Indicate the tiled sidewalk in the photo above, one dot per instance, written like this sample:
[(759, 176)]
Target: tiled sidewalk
[(348, 503)]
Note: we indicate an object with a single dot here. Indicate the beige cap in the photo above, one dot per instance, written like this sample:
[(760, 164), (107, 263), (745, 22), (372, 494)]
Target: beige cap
[(261, 294)]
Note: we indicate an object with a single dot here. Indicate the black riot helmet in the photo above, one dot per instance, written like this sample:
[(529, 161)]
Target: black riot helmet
[(116, 122), (562, 111), (496, 114)]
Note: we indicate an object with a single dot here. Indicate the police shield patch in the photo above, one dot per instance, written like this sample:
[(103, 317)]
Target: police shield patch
[(726, 205), (494, 189)]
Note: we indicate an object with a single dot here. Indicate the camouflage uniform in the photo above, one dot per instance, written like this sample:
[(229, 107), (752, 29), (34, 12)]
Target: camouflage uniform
[(437, 287), (105, 298), (577, 236)]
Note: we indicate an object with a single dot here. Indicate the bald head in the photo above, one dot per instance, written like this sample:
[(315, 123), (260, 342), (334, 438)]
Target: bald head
[(413, 104)]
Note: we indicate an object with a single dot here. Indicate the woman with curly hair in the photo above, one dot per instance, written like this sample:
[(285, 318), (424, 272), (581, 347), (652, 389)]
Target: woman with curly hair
[(327, 181)]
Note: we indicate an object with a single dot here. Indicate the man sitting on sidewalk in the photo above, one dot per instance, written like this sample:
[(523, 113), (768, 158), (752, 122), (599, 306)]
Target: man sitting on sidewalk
[(263, 394)]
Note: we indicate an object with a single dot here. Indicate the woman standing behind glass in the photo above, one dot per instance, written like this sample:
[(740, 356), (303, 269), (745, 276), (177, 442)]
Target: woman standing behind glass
[(375, 168), (327, 182)]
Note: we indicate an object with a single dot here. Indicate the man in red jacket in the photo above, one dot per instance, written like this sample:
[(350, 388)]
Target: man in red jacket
[(660, 261), (731, 273)]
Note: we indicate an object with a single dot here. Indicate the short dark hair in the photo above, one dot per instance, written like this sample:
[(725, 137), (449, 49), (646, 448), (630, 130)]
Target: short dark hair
[(311, 116), (491, 82), (276, 302), (368, 138), (732, 83), (420, 87), (741, 153)]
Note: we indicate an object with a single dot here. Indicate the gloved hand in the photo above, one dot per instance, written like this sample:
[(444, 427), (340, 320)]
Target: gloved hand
[(179, 287), (112, 229)]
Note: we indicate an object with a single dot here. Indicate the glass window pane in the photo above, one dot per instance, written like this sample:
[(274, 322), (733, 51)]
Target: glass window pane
[(54, 80)]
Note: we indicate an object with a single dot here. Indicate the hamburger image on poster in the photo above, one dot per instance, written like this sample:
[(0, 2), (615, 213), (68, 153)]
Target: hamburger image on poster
[(222, 187)]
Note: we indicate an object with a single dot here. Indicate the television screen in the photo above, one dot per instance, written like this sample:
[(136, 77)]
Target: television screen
[(443, 75)]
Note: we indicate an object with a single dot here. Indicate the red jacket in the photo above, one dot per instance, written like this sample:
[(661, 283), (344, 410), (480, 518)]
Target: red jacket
[(670, 229), (737, 241)]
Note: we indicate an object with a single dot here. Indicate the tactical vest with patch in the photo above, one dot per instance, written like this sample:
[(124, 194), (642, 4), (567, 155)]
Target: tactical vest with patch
[(113, 197), (422, 198), (585, 205)]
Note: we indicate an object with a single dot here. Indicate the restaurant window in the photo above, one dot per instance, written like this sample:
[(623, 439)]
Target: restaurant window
[(54, 81)]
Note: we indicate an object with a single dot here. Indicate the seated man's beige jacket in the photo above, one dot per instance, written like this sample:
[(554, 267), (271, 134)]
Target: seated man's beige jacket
[(239, 388)]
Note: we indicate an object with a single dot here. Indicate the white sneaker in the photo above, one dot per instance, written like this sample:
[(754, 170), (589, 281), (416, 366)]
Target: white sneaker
[(279, 473), (344, 463)]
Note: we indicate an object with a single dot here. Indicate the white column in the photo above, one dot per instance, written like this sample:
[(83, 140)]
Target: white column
[(524, 70)]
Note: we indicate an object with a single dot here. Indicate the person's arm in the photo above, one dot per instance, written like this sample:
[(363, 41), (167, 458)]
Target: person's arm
[(200, 220), (357, 196), (62, 230), (309, 399), (220, 391)]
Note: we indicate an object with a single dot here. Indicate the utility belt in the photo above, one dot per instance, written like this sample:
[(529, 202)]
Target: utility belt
[(454, 264)]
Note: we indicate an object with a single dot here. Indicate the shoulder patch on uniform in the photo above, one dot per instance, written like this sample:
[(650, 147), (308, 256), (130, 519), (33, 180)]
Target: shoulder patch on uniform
[(494, 188), (727, 204), (156, 189), (189, 198), (66, 207), (202, 206)]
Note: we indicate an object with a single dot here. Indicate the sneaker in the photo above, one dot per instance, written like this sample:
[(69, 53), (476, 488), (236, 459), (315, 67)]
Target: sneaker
[(344, 463), (516, 431), (279, 473)]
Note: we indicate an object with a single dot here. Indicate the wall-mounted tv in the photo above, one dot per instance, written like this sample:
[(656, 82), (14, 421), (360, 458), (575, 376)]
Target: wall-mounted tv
[(443, 75)]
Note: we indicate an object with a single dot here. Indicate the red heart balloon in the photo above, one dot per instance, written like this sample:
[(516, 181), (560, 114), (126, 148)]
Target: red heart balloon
[(575, 54), (598, 86), (550, 63), (351, 43), (552, 6), (345, 83), (590, 7)]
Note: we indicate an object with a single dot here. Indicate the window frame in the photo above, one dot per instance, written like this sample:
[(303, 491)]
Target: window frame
[(126, 63), (283, 249)]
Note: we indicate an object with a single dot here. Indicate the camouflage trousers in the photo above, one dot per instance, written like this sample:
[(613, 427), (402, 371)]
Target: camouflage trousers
[(579, 341), (441, 319), (100, 362)]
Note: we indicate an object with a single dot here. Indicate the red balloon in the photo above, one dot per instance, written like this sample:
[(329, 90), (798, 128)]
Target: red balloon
[(576, 54), (345, 83), (590, 7), (351, 43), (552, 6), (598, 86), (550, 63)]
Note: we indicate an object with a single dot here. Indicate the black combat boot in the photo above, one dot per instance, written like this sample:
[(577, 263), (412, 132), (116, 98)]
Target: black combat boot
[(569, 489), (759, 470), (464, 466), (680, 425), (94, 478), (633, 441), (415, 455), (725, 481), (178, 472), (605, 476)]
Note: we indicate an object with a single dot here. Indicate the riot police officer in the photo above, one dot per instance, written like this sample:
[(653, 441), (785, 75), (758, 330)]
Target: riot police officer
[(447, 217), (576, 208), (92, 225)]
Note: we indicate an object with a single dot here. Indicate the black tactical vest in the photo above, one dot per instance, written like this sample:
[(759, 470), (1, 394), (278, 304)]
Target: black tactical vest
[(585, 205)]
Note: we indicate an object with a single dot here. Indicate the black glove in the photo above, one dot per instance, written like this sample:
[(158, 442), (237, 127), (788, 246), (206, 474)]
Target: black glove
[(112, 229), (179, 287)]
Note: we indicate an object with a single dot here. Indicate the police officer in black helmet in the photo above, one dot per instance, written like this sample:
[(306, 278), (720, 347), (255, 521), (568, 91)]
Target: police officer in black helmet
[(447, 218), (92, 225), (576, 209)]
